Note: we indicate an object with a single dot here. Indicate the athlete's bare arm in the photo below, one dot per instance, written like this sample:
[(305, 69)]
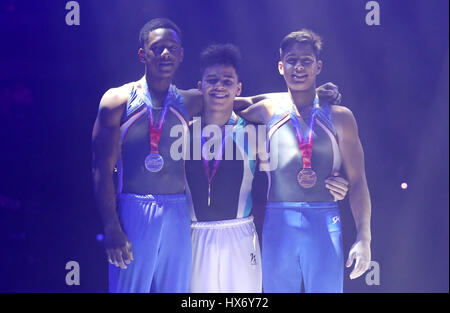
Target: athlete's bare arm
[(105, 141), (258, 109), (353, 159), (261, 112), (193, 99), (252, 110)]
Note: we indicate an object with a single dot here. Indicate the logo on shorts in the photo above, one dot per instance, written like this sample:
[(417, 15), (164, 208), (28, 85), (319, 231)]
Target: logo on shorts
[(252, 259), (336, 219)]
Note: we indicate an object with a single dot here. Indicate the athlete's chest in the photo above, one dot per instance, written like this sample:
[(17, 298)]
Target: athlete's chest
[(138, 130), (285, 140)]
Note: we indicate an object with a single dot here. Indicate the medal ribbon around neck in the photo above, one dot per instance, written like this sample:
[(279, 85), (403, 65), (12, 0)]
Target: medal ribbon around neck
[(217, 158), (306, 177), (154, 161)]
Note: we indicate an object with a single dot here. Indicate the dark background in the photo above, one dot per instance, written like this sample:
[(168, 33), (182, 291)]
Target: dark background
[(394, 77)]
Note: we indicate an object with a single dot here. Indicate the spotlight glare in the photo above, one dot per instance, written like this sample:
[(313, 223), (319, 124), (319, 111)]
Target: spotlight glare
[(100, 237), (404, 186)]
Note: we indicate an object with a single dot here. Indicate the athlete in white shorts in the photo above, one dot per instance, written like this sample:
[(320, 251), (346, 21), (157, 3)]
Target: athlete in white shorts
[(226, 252)]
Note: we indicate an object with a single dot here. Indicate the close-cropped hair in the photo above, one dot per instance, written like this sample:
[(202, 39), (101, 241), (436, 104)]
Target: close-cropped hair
[(155, 24)]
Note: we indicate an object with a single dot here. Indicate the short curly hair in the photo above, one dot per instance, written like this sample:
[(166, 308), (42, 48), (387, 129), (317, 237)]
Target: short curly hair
[(225, 54), (302, 36)]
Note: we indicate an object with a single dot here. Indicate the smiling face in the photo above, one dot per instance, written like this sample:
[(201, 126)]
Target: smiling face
[(162, 53), (219, 85), (299, 67)]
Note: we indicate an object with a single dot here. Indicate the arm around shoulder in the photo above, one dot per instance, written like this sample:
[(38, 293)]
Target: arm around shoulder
[(243, 103), (260, 112), (193, 99)]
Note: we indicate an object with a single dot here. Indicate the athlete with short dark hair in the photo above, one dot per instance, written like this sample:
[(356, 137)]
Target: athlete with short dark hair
[(226, 253), (132, 134), (302, 234)]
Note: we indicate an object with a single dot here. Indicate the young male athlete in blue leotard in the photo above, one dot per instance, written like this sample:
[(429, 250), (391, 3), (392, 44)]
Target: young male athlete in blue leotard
[(148, 240), (302, 231)]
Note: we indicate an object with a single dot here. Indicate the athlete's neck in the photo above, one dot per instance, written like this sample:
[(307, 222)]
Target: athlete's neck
[(216, 117), (303, 99), (158, 88)]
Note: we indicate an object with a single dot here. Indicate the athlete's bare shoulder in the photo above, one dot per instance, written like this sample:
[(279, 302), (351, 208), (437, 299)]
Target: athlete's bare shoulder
[(193, 99), (276, 102), (275, 95), (190, 95), (112, 104), (261, 108), (266, 96), (343, 119), (116, 97), (341, 112)]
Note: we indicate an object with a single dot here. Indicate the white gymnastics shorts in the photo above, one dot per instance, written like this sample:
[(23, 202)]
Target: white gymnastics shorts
[(226, 257)]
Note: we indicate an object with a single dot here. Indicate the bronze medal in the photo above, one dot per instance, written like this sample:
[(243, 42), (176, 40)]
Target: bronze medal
[(306, 178)]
